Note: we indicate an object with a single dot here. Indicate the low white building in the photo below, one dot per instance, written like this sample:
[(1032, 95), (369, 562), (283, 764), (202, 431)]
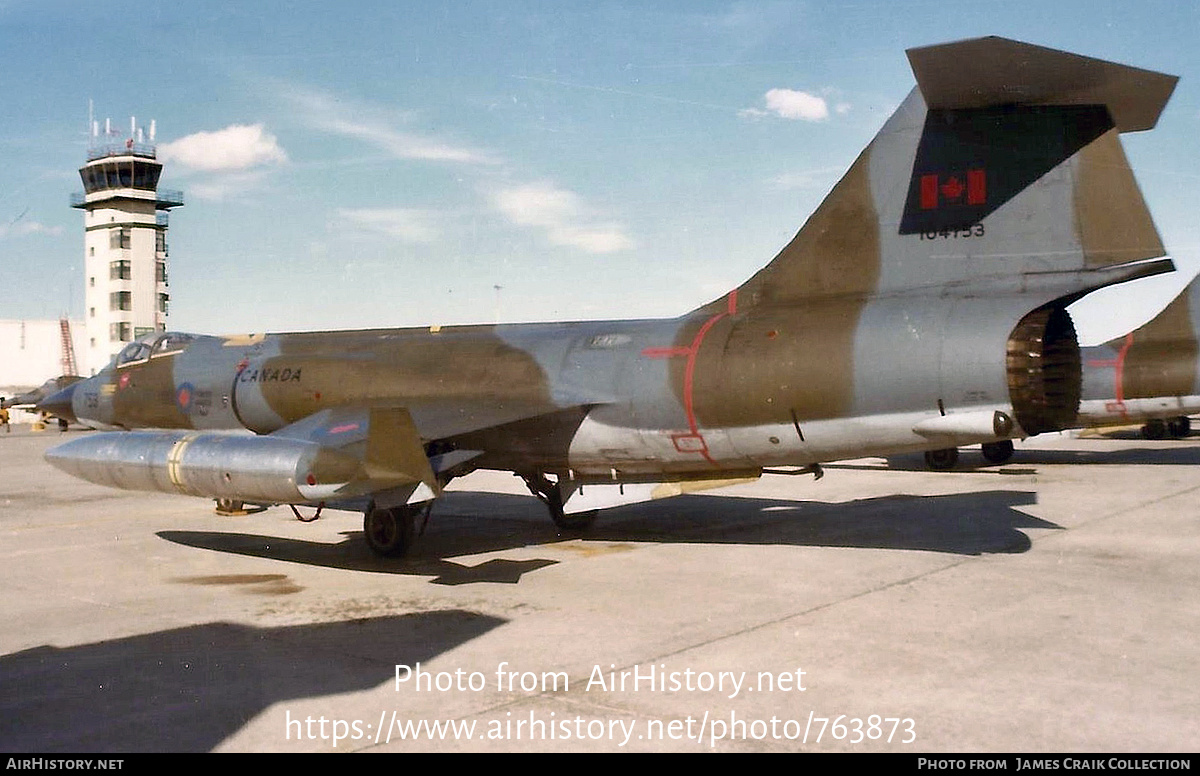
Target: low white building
[(31, 352)]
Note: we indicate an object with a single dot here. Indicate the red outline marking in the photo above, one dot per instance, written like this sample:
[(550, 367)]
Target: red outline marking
[(1118, 365), (689, 379)]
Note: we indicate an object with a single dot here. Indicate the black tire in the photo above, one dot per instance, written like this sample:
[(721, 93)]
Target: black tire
[(941, 460), (1179, 427), (230, 506), (998, 452), (1154, 429), (389, 532)]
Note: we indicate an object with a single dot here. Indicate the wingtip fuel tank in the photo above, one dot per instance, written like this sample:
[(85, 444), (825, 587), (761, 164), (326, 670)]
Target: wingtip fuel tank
[(235, 466)]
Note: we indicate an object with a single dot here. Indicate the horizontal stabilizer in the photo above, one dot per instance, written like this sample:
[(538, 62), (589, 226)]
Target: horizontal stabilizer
[(995, 71)]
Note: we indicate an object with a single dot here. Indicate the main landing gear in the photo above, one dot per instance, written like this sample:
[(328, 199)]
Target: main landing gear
[(391, 531), (998, 452), (228, 507), (1177, 428), (550, 494), (941, 460), (946, 458)]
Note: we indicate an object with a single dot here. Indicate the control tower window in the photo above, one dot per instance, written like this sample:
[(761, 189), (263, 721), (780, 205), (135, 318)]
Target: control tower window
[(119, 239), (120, 332), (120, 300)]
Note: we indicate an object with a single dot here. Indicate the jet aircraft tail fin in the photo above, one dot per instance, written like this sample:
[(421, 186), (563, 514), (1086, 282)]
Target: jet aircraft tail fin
[(1003, 163)]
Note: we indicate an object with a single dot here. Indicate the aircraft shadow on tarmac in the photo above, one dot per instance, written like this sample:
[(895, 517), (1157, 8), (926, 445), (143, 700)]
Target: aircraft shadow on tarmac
[(474, 523), (971, 460), (188, 689)]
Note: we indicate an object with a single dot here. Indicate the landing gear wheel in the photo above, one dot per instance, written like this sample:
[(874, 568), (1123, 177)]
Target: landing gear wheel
[(998, 452), (1179, 427), (228, 507), (940, 460), (1154, 429), (389, 532)]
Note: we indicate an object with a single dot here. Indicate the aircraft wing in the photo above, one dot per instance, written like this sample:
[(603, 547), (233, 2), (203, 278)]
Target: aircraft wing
[(444, 420)]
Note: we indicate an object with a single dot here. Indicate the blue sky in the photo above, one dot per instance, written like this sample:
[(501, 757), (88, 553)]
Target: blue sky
[(388, 164)]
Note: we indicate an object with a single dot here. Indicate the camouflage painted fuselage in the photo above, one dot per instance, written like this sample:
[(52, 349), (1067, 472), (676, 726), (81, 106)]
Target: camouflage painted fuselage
[(921, 306)]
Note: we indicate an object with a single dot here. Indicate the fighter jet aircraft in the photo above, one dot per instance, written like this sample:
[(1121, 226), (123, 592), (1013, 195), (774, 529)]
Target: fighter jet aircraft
[(1149, 375), (921, 306), (31, 398)]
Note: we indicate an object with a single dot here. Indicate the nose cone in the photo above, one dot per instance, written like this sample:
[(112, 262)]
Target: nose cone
[(58, 404)]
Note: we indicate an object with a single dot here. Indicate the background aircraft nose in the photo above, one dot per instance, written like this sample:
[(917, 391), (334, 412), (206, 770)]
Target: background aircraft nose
[(58, 404)]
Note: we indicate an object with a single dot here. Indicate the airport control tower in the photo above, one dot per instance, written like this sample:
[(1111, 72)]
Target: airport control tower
[(125, 241)]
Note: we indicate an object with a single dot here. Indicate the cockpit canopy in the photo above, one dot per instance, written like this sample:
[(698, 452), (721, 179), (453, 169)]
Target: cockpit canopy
[(151, 346)]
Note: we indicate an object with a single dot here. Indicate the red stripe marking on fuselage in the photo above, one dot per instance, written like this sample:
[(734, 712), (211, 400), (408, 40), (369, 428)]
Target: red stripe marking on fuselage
[(689, 379), (1118, 365), (665, 352)]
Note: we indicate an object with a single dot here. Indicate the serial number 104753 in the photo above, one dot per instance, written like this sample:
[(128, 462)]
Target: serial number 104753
[(975, 230)]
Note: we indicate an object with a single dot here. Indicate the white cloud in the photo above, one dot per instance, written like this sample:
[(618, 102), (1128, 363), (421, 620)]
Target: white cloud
[(225, 185), (20, 228), (328, 114), (236, 147), (406, 224), (562, 215), (807, 179), (791, 104), (795, 105), (403, 145), (538, 204)]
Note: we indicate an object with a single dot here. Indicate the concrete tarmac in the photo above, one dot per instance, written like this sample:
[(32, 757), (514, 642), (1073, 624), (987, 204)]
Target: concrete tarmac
[(1045, 605)]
